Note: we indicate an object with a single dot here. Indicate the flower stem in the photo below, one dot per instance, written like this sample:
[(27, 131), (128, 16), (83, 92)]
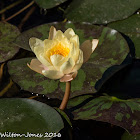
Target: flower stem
[(20, 11), (66, 96), (6, 88), (10, 6)]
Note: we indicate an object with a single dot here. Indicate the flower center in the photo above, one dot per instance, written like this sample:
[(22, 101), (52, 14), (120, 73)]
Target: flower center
[(60, 49)]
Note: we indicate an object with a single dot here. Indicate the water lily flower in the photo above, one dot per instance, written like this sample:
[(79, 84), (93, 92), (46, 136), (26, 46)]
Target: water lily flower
[(60, 56)]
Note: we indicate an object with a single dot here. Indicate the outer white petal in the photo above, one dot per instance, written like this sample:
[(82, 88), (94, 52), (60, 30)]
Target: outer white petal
[(67, 66), (57, 60), (52, 74), (86, 47), (36, 43), (69, 77), (79, 62), (69, 33), (36, 66), (37, 47), (94, 44)]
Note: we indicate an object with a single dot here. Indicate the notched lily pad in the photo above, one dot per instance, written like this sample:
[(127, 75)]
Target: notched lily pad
[(123, 113), (131, 28), (8, 34), (47, 4), (112, 50), (101, 11), (25, 115)]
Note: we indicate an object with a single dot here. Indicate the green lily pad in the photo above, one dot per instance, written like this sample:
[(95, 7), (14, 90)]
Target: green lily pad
[(101, 11), (64, 116), (47, 4), (112, 50), (131, 28), (123, 113), (8, 34), (127, 136), (25, 115)]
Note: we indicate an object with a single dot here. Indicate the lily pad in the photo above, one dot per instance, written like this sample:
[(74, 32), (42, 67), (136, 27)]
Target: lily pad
[(125, 83), (127, 136), (123, 113), (101, 11), (131, 28), (47, 4), (112, 50), (64, 116), (23, 116), (30, 80), (8, 34)]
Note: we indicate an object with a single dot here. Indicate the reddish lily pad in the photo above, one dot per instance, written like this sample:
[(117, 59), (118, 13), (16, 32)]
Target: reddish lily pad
[(123, 113), (131, 28), (47, 4), (24, 116), (30, 80), (112, 50), (8, 34), (101, 11)]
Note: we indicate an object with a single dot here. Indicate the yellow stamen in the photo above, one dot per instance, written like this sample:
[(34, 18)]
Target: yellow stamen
[(59, 49)]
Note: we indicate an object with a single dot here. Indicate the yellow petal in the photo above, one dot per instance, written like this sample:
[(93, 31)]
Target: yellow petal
[(52, 33), (52, 74), (79, 62), (67, 66), (57, 60), (43, 59), (36, 43), (62, 38), (69, 33), (48, 44), (75, 49), (59, 35), (75, 39), (86, 47), (74, 52), (94, 44)]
